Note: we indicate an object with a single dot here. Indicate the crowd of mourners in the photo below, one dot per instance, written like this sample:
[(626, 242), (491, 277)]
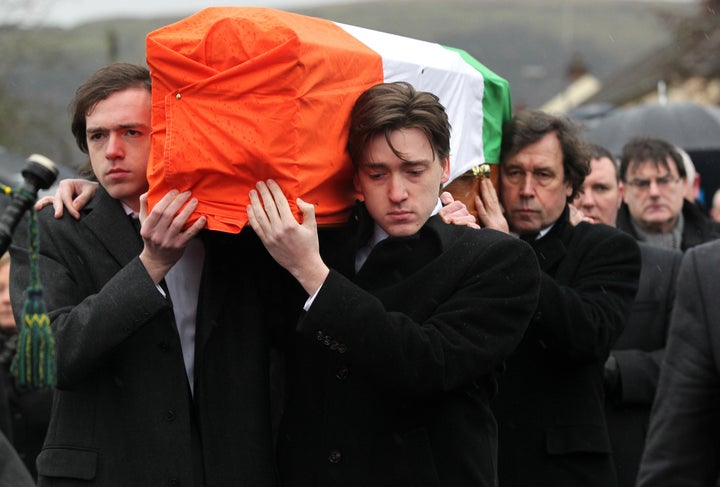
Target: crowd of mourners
[(563, 337)]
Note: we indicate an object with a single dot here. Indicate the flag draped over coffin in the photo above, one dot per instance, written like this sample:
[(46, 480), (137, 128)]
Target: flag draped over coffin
[(242, 94)]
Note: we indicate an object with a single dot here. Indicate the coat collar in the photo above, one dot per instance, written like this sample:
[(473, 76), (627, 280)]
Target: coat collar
[(551, 248), (362, 227), (105, 217), (696, 229), (394, 258)]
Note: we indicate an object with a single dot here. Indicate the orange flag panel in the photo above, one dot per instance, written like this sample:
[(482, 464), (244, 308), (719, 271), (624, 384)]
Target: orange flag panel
[(247, 94)]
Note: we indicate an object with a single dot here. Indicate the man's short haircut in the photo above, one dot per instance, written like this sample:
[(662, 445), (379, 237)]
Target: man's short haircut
[(387, 107), (656, 151), (599, 152), (106, 81), (529, 126)]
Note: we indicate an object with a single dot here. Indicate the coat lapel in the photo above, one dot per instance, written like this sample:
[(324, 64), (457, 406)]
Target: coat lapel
[(106, 219), (396, 258), (550, 249)]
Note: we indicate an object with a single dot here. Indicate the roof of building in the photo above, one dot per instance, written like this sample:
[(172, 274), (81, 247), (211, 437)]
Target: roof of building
[(693, 53)]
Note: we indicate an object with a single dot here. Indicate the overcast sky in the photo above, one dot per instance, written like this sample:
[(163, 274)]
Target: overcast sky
[(71, 12), (68, 13)]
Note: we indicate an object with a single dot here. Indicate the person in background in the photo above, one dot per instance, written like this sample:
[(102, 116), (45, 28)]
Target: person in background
[(715, 208), (692, 178), (12, 470), (407, 319), (24, 414), (683, 445), (633, 367), (7, 319), (655, 209), (551, 399)]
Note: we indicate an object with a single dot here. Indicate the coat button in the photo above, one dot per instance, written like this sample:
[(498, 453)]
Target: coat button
[(342, 348), (164, 346), (173, 482), (170, 415), (335, 456), (342, 373)]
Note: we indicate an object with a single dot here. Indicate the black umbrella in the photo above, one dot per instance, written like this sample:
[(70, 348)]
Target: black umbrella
[(692, 126)]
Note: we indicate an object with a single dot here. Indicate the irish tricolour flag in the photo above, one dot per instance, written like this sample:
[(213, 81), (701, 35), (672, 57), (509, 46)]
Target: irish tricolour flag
[(242, 94)]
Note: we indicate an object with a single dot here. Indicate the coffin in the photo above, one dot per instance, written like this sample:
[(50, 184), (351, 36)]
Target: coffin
[(242, 94)]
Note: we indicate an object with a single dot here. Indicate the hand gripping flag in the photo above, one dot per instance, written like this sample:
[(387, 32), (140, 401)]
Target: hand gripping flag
[(242, 94)]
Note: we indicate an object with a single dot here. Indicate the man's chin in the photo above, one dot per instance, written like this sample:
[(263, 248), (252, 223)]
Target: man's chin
[(401, 230), (522, 226), (657, 219)]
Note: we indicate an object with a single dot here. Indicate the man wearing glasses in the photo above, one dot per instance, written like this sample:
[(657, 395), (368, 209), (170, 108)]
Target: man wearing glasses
[(654, 209)]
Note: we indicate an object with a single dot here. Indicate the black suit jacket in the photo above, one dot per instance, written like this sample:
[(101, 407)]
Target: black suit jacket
[(683, 443), (123, 414), (550, 404), (392, 371), (639, 351)]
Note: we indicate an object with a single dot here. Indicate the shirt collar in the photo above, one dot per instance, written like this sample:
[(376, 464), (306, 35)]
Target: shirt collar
[(129, 211)]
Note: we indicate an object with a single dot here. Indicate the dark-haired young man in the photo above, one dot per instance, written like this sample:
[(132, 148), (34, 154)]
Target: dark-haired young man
[(160, 380), (407, 318)]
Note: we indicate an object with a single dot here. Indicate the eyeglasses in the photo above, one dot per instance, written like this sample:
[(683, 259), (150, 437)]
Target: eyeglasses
[(661, 182)]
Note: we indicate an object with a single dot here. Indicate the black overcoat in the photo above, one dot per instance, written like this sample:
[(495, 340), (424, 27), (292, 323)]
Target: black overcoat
[(638, 352), (683, 443), (393, 367), (123, 413), (550, 406)]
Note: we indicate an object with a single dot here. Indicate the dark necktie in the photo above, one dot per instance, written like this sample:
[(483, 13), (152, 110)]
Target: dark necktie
[(136, 225)]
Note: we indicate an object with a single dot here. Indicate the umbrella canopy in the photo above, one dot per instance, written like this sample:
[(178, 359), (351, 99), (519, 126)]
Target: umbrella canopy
[(688, 125)]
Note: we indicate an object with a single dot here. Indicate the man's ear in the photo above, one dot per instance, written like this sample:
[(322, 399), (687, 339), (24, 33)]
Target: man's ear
[(445, 170), (623, 193)]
